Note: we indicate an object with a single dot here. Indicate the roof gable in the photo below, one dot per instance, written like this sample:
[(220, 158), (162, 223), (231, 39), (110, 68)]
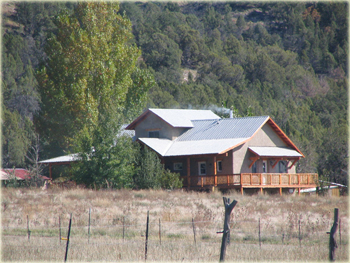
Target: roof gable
[(176, 118)]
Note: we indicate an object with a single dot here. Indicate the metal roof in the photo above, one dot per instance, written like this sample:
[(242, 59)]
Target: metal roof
[(180, 118), (275, 151), (62, 159), (223, 128)]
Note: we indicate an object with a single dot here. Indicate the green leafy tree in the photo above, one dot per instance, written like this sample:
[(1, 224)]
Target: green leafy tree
[(150, 172), (106, 159), (89, 69)]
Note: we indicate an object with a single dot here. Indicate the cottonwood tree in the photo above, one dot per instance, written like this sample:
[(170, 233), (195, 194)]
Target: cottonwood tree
[(88, 71)]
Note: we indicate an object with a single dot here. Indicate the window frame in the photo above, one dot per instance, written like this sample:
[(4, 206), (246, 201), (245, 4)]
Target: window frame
[(178, 168), (153, 132), (219, 167), (199, 168)]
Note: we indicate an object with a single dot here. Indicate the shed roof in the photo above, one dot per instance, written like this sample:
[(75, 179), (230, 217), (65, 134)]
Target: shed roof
[(62, 159), (274, 151), (177, 118)]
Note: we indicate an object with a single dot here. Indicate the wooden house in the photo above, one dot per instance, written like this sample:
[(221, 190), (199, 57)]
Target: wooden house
[(249, 154)]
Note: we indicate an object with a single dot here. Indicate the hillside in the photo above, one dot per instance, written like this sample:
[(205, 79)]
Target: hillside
[(285, 60)]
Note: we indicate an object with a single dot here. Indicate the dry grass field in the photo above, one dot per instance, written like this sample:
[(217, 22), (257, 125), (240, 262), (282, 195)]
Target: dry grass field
[(118, 224)]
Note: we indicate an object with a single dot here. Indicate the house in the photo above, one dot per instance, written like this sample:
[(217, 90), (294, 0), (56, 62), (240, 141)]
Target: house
[(18, 173), (74, 157), (248, 154)]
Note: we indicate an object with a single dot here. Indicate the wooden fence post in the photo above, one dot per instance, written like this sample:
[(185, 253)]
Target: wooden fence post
[(146, 235), (299, 234), (340, 233), (160, 233), (28, 231), (89, 225), (194, 231), (332, 241), (59, 227), (226, 232), (123, 228), (259, 234), (68, 236)]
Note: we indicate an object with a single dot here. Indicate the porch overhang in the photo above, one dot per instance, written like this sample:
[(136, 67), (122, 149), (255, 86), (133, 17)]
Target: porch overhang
[(274, 153)]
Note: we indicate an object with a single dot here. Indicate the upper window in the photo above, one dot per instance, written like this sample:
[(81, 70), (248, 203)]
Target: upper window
[(153, 134), (202, 168)]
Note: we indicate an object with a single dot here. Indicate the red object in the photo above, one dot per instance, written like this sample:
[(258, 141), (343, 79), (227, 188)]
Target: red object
[(20, 173)]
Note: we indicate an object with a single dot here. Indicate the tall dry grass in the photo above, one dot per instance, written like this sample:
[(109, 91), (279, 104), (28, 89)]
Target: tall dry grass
[(279, 217)]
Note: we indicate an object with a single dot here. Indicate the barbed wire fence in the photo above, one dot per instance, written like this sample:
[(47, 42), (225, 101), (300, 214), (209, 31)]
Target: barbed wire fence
[(130, 228)]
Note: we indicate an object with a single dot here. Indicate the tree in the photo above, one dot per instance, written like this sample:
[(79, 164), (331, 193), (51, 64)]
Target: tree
[(106, 156), (150, 173), (88, 71)]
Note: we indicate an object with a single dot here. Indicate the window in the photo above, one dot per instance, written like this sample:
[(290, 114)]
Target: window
[(282, 167), (177, 166), (202, 168), (254, 168), (153, 134), (219, 166), (264, 167)]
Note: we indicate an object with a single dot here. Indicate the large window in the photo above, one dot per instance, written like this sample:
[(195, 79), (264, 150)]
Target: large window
[(282, 167), (202, 168), (254, 168)]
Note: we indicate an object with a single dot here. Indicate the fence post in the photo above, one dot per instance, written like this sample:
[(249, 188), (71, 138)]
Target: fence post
[(226, 232), (89, 225), (194, 231), (68, 236), (332, 242), (123, 228), (259, 234), (28, 231), (59, 227), (160, 233), (339, 233), (146, 235), (299, 234)]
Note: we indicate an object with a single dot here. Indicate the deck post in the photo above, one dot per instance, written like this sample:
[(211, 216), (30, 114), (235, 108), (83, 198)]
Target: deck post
[(216, 177), (241, 189), (261, 190), (280, 191), (50, 171), (188, 173), (298, 191)]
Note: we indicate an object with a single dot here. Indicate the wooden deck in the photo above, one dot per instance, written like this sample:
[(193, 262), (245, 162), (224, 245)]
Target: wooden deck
[(251, 180)]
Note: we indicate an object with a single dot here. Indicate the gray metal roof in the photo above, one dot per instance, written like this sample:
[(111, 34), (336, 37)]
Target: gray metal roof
[(183, 118), (223, 129), (275, 151), (208, 136), (62, 159)]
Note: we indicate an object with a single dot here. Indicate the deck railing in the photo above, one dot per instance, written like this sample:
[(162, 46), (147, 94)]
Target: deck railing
[(252, 180)]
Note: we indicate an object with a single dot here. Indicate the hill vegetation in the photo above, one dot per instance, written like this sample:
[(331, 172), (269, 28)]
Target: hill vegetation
[(285, 60)]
